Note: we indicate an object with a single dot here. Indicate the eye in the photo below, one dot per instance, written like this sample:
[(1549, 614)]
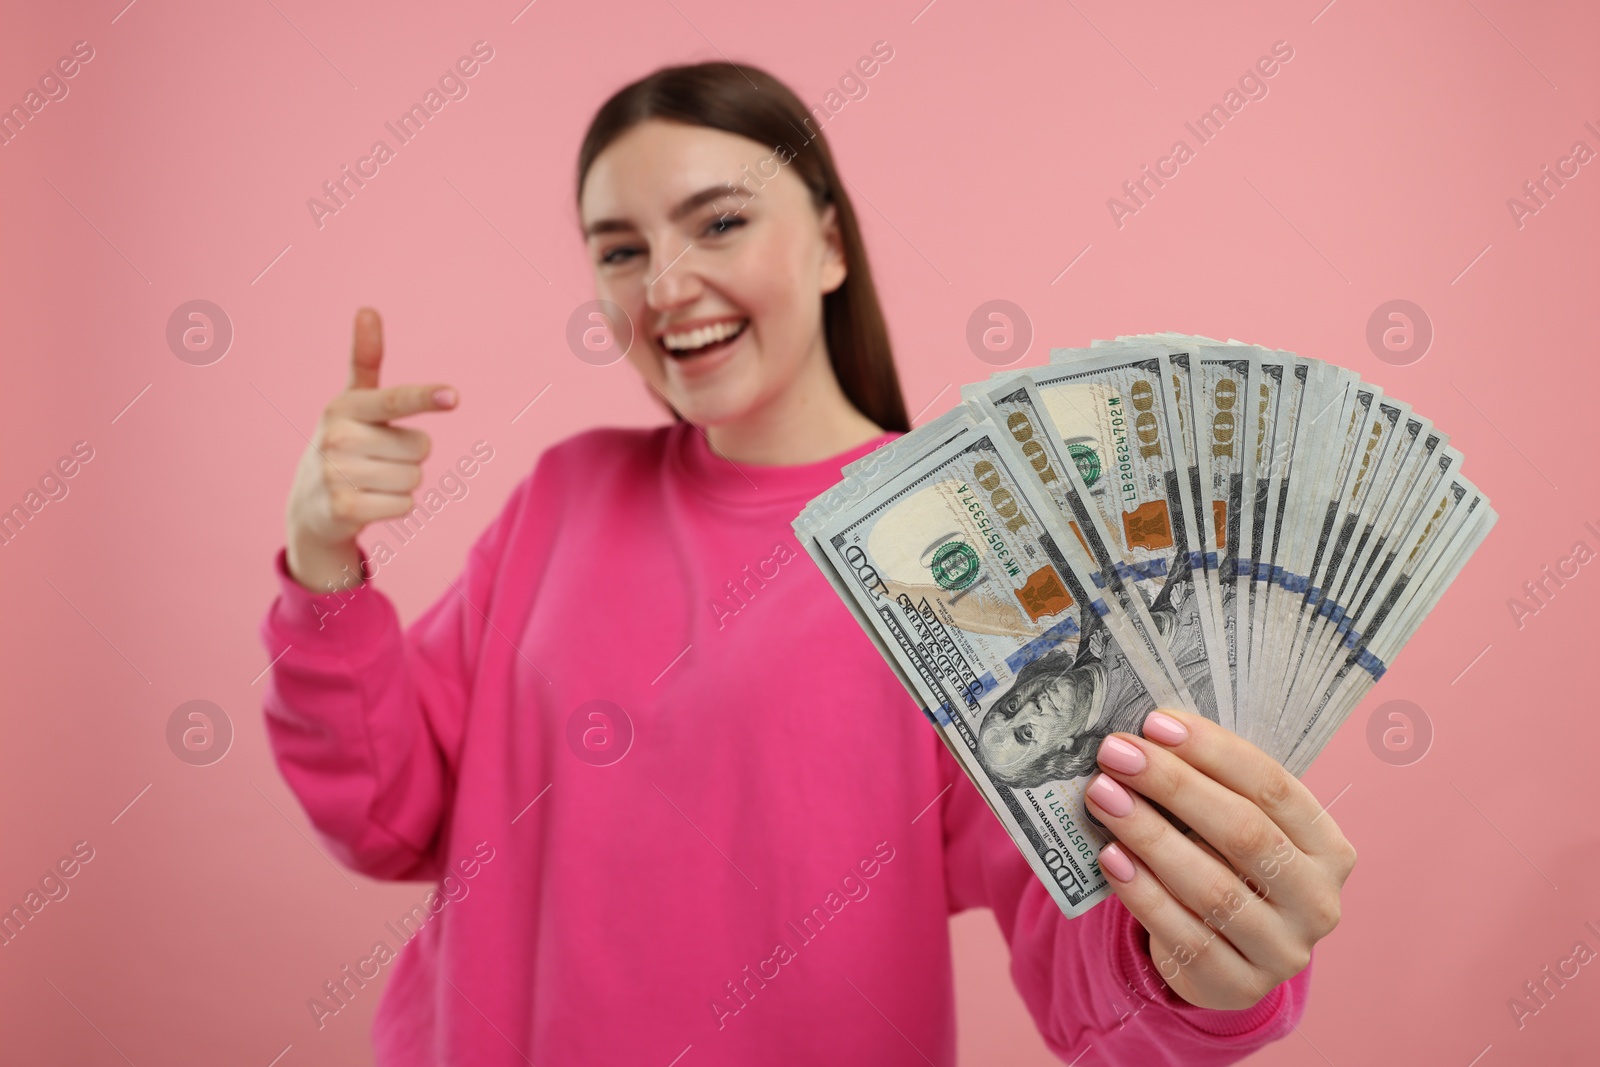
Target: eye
[(1024, 734), (722, 224), (617, 255)]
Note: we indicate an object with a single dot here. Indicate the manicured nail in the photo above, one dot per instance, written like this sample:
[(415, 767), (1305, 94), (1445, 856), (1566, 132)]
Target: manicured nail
[(1116, 863), (1120, 756), (444, 397), (1110, 795), (1164, 728)]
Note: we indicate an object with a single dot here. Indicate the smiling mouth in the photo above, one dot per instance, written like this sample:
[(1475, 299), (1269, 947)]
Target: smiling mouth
[(693, 344)]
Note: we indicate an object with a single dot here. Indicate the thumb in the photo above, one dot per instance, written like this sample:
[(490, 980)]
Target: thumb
[(366, 350)]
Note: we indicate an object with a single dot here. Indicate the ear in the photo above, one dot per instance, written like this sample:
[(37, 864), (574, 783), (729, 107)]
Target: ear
[(833, 264)]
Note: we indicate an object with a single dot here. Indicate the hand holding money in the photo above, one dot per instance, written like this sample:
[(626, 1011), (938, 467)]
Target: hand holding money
[(1236, 912), (1245, 534)]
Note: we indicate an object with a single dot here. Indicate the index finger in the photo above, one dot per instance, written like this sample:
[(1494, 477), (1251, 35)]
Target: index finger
[(394, 402), (366, 350)]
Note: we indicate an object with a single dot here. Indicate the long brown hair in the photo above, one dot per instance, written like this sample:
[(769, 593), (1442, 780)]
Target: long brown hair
[(751, 103)]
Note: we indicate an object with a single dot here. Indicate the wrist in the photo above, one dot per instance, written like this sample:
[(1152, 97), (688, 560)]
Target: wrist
[(324, 568)]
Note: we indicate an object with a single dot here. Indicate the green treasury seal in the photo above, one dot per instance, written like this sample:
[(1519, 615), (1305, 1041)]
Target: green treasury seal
[(1087, 461), (955, 565)]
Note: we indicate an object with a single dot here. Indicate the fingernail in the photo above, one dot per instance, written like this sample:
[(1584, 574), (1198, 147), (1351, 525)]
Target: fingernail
[(1116, 863), (1110, 795), (444, 397), (1120, 756), (1164, 728)]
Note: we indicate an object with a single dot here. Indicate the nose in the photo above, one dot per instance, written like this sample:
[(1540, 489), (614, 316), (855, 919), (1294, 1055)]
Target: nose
[(674, 282)]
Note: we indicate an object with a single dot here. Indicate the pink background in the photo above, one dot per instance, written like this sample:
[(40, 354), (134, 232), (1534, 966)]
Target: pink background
[(1378, 167)]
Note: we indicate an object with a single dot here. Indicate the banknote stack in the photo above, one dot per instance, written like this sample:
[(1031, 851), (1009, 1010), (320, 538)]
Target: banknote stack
[(1156, 521)]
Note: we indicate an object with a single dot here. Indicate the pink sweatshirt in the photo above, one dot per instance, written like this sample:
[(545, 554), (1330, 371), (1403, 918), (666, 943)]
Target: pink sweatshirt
[(677, 810)]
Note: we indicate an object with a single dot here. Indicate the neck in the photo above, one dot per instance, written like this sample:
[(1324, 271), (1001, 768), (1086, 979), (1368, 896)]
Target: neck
[(1094, 681), (809, 420)]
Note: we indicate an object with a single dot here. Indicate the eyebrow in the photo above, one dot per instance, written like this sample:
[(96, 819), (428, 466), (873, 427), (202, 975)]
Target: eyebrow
[(685, 207)]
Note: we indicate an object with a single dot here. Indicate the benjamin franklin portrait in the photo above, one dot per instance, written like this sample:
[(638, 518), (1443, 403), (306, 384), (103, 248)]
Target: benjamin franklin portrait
[(1048, 725)]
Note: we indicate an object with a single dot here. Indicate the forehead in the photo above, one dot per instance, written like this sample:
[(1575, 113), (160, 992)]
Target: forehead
[(656, 164), (1051, 677)]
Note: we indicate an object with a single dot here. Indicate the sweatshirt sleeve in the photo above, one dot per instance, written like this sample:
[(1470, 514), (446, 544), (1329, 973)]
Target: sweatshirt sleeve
[(1089, 982), (364, 720)]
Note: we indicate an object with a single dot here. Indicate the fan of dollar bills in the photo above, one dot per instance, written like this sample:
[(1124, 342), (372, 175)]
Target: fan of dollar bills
[(1157, 521)]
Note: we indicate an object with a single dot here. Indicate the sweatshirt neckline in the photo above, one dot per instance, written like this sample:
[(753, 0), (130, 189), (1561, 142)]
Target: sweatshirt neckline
[(756, 484)]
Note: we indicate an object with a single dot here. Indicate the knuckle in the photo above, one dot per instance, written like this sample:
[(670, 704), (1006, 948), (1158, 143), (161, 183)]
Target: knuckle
[(1276, 791), (1346, 857), (337, 437), (1246, 834), (1163, 779), (342, 504), (1327, 915), (1144, 831), (415, 445), (1220, 901), (1297, 959), (393, 403)]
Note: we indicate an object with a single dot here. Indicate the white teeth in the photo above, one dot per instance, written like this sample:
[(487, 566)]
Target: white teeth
[(705, 335)]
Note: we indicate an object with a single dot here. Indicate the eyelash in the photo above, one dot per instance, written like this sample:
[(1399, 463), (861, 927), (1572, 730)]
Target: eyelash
[(727, 222)]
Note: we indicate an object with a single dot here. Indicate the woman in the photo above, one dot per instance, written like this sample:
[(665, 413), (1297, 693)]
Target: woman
[(682, 810)]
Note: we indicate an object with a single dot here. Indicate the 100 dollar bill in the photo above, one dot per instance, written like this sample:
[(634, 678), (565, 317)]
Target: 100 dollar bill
[(960, 574), (1111, 408)]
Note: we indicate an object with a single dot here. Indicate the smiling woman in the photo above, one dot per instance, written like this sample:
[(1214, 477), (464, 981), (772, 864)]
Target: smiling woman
[(705, 287), (766, 756)]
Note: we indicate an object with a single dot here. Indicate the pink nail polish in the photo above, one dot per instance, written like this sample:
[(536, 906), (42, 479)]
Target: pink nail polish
[(1110, 795), (1120, 756), (1116, 863), (1165, 729)]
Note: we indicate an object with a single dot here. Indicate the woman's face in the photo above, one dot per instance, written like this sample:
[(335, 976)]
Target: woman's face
[(711, 245)]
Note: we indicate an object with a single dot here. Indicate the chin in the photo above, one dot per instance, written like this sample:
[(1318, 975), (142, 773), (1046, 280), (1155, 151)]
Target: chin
[(715, 406)]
